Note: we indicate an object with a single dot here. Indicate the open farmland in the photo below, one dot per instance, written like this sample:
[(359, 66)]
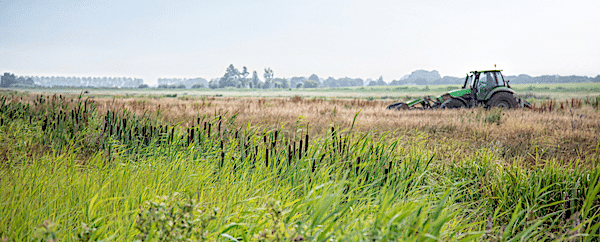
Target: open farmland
[(557, 91), (138, 165)]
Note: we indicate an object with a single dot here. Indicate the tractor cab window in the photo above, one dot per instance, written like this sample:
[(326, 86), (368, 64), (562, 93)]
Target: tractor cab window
[(485, 83), (492, 78), (498, 78), (482, 79), (468, 81)]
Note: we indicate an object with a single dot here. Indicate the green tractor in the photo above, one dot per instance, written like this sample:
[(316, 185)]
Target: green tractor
[(481, 88)]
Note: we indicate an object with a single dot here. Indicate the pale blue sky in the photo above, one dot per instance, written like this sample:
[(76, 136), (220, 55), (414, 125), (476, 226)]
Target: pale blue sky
[(366, 39)]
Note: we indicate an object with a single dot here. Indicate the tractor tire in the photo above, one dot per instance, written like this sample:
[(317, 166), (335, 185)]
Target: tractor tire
[(398, 106), (453, 103), (503, 100)]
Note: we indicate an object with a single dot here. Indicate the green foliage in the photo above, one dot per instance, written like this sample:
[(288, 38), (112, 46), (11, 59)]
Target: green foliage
[(46, 232), (87, 233), (117, 176), (169, 219)]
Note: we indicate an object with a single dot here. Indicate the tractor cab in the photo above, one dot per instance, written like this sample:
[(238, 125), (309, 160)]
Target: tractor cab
[(482, 83)]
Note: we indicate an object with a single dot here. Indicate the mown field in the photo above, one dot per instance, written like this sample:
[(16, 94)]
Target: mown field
[(139, 166), (543, 91)]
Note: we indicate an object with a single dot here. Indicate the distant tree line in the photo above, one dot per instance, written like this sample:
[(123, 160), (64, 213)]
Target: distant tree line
[(422, 77), (9, 80), (526, 79), (234, 78)]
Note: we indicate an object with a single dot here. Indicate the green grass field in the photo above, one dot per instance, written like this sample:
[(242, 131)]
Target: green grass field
[(71, 172)]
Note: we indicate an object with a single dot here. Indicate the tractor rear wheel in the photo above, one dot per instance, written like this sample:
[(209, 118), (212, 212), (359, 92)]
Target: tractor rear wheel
[(503, 100), (453, 103)]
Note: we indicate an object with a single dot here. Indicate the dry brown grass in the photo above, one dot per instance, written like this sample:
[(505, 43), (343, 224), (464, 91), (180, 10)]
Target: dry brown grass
[(568, 133)]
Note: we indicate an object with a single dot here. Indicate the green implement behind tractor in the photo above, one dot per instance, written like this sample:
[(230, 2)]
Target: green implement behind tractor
[(481, 88)]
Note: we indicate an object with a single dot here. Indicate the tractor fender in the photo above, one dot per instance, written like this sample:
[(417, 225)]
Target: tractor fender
[(499, 89)]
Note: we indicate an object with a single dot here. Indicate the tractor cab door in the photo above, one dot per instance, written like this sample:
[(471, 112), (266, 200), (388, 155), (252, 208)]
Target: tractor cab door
[(484, 83), (468, 82)]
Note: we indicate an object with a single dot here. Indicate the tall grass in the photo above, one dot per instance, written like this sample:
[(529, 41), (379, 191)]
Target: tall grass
[(70, 172)]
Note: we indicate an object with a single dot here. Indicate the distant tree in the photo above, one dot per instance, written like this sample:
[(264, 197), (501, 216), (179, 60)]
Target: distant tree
[(359, 82), (137, 81), (231, 77), (194, 81), (163, 86), (143, 86), (294, 81), (299, 85), (310, 84), (421, 81), (268, 77), (596, 79), (255, 80), (380, 81), (372, 83), (281, 83), (244, 77), (346, 82), (214, 83), (198, 86), (7, 79), (396, 83), (244, 72), (313, 77), (181, 86), (285, 84), (330, 82), (26, 81)]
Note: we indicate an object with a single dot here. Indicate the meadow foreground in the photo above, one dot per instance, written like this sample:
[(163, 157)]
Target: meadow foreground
[(294, 169)]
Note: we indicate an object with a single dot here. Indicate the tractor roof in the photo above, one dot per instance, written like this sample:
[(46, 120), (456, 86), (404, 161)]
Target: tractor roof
[(486, 71)]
